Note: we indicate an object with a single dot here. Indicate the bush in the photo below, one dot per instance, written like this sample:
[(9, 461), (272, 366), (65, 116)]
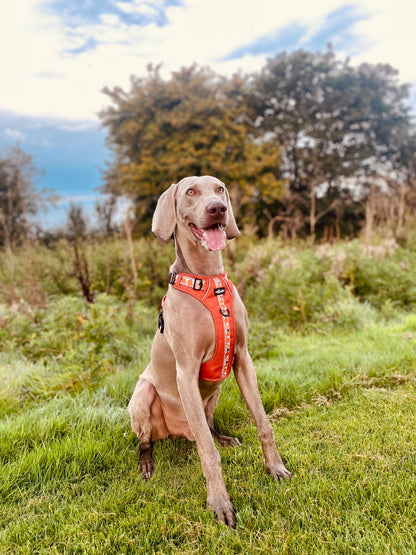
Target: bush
[(387, 280), (38, 271), (69, 324), (291, 286), (70, 345), (331, 286)]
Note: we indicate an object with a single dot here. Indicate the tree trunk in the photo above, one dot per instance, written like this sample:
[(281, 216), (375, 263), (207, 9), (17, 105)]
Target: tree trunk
[(127, 228), (313, 212), (402, 209), (82, 274), (369, 218), (338, 228), (270, 232)]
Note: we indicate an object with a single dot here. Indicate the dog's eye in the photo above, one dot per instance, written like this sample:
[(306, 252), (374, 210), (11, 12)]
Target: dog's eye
[(220, 189), (190, 192)]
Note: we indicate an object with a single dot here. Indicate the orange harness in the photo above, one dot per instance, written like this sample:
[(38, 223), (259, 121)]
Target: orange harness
[(216, 294)]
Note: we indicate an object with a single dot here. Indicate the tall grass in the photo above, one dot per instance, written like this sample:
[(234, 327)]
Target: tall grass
[(324, 287), (292, 285), (68, 347)]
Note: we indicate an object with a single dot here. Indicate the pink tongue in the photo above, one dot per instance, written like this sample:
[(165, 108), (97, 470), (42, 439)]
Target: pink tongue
[(215, 238)]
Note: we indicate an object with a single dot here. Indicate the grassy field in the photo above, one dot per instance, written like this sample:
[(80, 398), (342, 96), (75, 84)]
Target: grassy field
[(339, 388)]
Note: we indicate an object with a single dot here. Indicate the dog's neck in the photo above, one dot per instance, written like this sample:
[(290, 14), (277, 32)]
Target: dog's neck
[(192, 258)]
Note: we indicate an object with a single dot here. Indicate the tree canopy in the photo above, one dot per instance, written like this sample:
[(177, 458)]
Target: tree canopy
[(193, 124), (19, 200), (303, 144), (334, 122)]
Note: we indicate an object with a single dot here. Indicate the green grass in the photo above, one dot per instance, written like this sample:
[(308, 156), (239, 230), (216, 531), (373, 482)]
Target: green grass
[(333, 337), (342, 406)]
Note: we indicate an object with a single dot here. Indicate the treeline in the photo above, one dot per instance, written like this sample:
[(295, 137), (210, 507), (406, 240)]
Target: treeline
[(19, 200), (309, 145), (21, 204)]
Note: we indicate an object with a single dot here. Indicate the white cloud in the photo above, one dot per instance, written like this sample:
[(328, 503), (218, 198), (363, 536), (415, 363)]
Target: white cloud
[(15, 135), (75, 126), (109, 19), (144, 8), (390, 36), (56, 71), (126, 7)]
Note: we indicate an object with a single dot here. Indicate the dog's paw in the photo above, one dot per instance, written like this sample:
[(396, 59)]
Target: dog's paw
[(147, 468), (223, 511), (279, 471), (226, 441), (147, 464)]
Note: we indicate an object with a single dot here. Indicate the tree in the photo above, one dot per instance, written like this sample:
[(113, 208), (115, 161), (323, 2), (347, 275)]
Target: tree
[(333, 122), (19, 200), (105, 213), (406, 181), (77, 223), (77, 234), (192, 124)]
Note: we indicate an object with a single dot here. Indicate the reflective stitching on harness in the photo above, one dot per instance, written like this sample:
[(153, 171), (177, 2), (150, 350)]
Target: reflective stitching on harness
[(225, 312), (216, 293)]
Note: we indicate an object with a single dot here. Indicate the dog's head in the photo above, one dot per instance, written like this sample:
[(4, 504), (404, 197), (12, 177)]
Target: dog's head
[(201, 207)]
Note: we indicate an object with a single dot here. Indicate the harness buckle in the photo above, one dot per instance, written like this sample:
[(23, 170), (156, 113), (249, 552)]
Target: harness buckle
[(172, 278), (198, 283)]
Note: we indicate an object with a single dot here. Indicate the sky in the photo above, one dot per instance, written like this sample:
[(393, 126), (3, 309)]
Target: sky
[(56, 56)]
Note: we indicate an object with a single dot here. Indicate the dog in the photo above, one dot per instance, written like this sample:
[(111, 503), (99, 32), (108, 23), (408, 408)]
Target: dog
[(196, 344)]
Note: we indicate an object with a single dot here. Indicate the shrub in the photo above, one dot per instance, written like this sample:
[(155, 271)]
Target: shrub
[(70, 345), (39, 271), (293, 285), (289, 287), (68, 325)]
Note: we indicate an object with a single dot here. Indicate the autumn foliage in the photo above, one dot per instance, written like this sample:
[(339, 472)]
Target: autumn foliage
[(309, 145)]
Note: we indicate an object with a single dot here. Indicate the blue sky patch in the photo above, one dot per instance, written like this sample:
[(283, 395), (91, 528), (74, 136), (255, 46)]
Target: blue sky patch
[(76, 13), (90, 44), (286, 38), (336, 29), (70, 154)]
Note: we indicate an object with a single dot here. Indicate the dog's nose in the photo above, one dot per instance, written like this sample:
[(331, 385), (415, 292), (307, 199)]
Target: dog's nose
[(216, 208)]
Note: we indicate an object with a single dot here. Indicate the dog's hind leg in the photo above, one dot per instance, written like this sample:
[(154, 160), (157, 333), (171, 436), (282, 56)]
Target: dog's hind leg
[(210, 407), (140, 409)]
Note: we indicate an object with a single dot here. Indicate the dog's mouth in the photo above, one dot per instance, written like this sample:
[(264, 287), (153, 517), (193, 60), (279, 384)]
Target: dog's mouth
[(212, 238)]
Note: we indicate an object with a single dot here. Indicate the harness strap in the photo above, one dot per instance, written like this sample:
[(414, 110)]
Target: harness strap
[(216, 293)]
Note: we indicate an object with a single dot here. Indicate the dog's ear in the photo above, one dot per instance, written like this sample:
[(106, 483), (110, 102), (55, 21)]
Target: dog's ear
[(231, 230), (164, 218)]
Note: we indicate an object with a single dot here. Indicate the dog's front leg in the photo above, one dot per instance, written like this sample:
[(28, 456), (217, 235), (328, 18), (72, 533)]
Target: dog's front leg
[(217, 496), (245, 375)]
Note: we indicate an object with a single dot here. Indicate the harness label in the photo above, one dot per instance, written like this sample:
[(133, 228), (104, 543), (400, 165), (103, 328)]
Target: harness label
[(219, 291)]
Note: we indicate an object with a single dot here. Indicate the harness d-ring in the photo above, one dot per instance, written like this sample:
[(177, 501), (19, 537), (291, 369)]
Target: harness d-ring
[(225, 312)]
